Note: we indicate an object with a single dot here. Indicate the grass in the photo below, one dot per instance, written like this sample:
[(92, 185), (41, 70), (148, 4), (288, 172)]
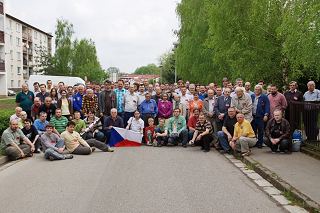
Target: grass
[(7, 104)]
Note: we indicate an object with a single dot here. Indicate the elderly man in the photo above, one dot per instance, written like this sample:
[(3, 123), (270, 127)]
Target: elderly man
[(310, 115), (112, 121), (35, 108), (130, 101), (120, 91), (158, 94), (277, 100), (11, 141), (43, 93), (17, 115), (226, 135), (24, 99), (41, 123), (141, 94), (75, 144), (77, 99), (177, 129), (243, 136), (247, 87), (221, 106), (278, 133), (243, 103), (208, 108), (48, 107), (107, 99), (148, 108), (89, 103), (260, 111)]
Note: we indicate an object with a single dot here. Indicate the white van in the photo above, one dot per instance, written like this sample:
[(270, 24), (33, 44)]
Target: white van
[(42, 79)]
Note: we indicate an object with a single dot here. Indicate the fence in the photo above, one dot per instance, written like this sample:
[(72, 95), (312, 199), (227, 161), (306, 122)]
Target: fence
[(305, 117)]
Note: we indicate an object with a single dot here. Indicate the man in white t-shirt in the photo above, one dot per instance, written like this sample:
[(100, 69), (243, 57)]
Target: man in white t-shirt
[(136, 123)]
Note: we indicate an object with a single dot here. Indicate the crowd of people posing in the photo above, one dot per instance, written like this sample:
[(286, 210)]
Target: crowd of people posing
[(62, 120)]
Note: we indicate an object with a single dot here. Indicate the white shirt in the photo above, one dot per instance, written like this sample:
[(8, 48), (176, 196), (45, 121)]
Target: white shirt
[(136, 125), (185, 99), (141, 97), (130, 102)]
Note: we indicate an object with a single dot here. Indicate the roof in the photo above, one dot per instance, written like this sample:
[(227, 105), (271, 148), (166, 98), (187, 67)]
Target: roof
[(28, 25)]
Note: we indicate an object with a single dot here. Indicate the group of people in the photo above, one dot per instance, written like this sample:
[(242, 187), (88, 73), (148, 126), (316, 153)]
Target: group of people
[(62, 120)]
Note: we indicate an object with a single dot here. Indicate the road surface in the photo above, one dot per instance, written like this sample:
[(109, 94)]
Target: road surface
[(143, 179)]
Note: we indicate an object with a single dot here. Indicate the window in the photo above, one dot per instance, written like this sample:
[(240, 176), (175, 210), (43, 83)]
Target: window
[(10, 24), (18, 27), (19, 71), (35, 35), (19, 56), (19, 83), (12, 82), (11, 42), (18, 42), (11, 69), (11, 54)]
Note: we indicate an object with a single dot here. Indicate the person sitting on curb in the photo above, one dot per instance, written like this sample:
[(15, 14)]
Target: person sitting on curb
[(11, 141), (32, 134), (177, 129), (203, 134), (161, 133), (278, 133), (243, 136), (41, 123), (225, 136), (75, 144), (53, 145)]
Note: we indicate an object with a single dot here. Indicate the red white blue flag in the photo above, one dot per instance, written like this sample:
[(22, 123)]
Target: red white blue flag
[(122, 137)]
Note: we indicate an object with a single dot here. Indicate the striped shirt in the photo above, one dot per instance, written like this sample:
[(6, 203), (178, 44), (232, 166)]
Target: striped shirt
[(59, 124), (203, 127)]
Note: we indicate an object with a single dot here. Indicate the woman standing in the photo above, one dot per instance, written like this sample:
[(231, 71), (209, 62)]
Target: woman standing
[(65, 105), (54, 96), (164, 107), (196, 103)]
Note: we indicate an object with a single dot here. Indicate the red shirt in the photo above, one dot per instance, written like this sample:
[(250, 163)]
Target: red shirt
[(151, 129), (193, 121)]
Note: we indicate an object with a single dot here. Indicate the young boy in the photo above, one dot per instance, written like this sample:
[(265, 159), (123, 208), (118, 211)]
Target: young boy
[(161, 133), (149, 133)]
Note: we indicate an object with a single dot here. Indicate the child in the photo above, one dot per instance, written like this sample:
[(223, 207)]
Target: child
[(149, 133), (161, 133)]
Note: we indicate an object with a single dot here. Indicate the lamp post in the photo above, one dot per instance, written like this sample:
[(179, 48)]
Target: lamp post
[(160, 66)]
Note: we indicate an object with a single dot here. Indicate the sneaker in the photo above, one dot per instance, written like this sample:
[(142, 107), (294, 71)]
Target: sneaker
[(110, 149), (155, 143), (93, 149), (67, 156), (184, 145), (205, 150), (51, 158), (273, 152), (246, 153), (37, 151)]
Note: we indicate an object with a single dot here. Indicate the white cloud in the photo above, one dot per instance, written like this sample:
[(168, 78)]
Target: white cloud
[(127, 33)]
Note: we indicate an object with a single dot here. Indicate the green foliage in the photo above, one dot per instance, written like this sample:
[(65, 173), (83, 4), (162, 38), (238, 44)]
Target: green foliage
[(73, 57), (271, 40), (4, 119), (167, 66), (149, 69)]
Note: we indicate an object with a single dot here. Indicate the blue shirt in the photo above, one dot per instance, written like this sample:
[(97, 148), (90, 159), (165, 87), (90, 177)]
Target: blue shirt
[(40, 126), (312, 96), (120, 94), (77, 102), (149, 107)]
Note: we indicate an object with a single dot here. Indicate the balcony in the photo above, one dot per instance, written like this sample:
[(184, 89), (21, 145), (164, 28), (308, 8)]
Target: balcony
[(2, 37), (25, 50), (30, 52), (1, 8), (24, 36), (2, 66), (25, 62)]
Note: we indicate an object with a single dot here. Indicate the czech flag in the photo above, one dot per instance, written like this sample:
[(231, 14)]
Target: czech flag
[(122, 137)]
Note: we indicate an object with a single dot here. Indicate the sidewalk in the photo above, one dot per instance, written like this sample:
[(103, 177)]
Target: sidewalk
[(299, 170)]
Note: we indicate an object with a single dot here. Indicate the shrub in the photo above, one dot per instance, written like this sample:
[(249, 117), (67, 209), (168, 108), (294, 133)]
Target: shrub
[(4, 119)]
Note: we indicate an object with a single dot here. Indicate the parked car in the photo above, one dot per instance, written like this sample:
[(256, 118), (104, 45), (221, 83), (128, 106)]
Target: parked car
[(11, 92)]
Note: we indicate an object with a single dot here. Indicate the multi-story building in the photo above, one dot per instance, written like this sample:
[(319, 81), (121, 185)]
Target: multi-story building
[(21, 48)]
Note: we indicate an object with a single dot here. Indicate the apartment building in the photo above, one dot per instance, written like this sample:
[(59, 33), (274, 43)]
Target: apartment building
[(21, 48)]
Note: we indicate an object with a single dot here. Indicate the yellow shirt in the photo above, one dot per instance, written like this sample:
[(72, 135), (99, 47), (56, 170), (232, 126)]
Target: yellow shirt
[(244, 130), (73, 140)]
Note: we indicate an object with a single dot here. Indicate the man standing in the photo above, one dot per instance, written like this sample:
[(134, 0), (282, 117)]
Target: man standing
[(208, 109), (243, 103), (221, 106), (59, 122), (89, 103), (77, 99), (107, 99), (247, 87), (130, 101), (243, 136), (53, 145), (43, 93), (141, 94), (278, 133), (148, 108), (177, 129), (120, 91), (24, 99), (36, 89), (260, 111), (277, 100), (35, 108), (75, 144), (48, 107), (226, 135), (202, 94), (11, 141)]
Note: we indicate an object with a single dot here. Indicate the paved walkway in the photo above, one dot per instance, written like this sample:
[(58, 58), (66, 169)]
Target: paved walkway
[(299, 170), (144, 179)]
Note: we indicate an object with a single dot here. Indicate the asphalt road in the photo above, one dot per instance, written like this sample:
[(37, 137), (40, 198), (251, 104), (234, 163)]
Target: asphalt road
[(143, 179)]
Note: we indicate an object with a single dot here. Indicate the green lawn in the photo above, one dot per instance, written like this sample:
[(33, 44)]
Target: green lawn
[(7, 104)]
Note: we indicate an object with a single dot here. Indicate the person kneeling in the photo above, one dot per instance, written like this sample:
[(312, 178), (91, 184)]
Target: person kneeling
[(53, 145), (278, 133), (243, 136), (203, 134), (75, 144), (161, 133)]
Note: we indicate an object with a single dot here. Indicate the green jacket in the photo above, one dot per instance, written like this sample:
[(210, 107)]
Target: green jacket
[(176, 125)]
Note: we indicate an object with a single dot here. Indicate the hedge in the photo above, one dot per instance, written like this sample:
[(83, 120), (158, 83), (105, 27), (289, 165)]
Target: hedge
[(4, 121)]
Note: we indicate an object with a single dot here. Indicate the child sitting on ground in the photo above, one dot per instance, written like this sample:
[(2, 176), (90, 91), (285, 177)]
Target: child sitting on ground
[(161, 133), (149, 133)]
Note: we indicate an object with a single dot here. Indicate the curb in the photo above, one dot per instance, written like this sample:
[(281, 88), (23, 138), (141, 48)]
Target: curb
[(3, 160), (310, 152), (305, 201)]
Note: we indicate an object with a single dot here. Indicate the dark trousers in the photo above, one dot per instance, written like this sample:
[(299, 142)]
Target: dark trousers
[(283, 145), (258, 128), (14, 154), (126, 117), (145, 118), (219, 124), (310, 118), (204, 142), (183, 137), (83, 150)]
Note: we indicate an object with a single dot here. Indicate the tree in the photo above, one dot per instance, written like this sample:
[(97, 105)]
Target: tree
[(149, 69), (167, 66)]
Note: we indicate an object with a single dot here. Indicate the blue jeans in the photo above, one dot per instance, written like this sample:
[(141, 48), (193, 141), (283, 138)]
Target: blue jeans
[(183, 137), (223, 141), (54, 154), (258, 127)]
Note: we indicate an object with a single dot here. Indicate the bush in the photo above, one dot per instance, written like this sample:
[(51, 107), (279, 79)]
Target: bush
[(4, 119)]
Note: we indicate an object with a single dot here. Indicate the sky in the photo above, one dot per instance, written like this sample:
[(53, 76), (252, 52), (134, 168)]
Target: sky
[(127, 33)]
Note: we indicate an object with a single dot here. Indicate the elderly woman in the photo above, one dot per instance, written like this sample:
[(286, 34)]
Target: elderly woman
[(164, 107), (90, 103), (23, 117), (242, 102)]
